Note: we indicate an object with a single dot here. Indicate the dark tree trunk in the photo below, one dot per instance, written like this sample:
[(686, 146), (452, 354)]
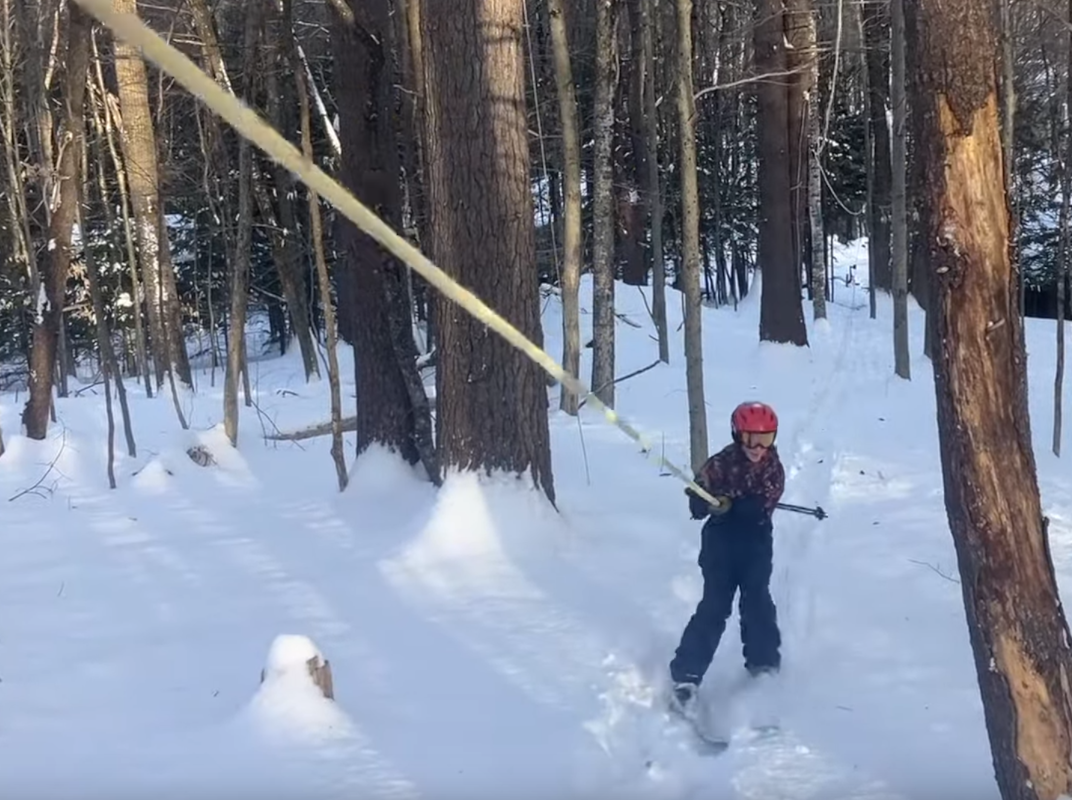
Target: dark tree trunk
[(876, 18), (393, 408), (1018, 632), (491, 399), (781, 316), (46, 329)]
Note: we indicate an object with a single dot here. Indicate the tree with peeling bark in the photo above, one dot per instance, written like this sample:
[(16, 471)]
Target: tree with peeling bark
[(571, 224), (64, 233), (491, 400), (1018, 632)]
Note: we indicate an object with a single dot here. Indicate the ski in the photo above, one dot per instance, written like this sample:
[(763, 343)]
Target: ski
[(706, 743)]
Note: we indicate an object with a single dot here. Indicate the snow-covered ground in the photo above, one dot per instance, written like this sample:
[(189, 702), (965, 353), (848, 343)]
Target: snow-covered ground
[(481, 644)]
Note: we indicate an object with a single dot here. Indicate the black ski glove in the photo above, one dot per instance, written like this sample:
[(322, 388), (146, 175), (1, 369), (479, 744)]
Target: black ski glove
[(698, 507)]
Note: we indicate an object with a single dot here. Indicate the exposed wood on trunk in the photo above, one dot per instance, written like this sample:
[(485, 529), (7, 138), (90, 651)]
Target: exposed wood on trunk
[(1018, 632)]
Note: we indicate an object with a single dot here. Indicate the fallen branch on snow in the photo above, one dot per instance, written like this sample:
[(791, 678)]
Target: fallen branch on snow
[(349, 425)]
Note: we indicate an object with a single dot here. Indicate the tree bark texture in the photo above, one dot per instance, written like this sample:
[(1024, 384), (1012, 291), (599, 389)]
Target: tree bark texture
[(899, 219), (603, 216), (1018, 632), (876, 24), (240, 258), (781, 315), (815, 155), (390, 411), (571, 223), (143, 178), (63, 221), (652, 186), (491, 400)]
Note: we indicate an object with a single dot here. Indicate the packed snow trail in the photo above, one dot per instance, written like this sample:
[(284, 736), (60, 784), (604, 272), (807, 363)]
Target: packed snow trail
[(479, 640)]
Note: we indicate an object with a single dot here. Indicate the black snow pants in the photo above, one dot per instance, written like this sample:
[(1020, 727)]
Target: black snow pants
[(732, 557)]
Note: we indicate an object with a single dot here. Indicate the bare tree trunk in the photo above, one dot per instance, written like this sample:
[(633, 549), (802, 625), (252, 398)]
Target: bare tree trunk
[(654, 192), (491, 400), (393, 409), (876, 23), (1063, 255), (603, 252), (1019, 635), (571, 163), (781, 315), (899, 221), (338, 455), (107, 125), (63, 225), (240, 259), (104, 335), (815, 183), (690, 239), (143, 178)]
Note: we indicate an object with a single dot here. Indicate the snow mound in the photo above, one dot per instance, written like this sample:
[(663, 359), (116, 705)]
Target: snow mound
[(289, 705)]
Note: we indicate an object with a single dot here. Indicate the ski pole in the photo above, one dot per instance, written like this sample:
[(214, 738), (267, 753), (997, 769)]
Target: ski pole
[(816, 512)]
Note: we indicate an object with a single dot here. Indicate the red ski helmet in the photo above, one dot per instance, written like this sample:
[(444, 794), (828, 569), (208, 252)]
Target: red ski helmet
[(754, 418)]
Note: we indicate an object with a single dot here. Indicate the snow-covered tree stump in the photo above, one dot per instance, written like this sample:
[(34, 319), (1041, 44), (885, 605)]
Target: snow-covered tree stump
[(291, 655)]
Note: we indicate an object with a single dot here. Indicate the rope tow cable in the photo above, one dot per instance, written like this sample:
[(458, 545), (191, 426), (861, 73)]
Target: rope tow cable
[(249, 124)]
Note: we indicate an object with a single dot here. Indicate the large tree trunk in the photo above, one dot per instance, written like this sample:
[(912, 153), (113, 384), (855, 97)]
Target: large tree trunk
[(1018, 632), (392, 408), (491, 400), (143, 178), (781, 316), (571, 224), (690, 239), (63, 222), (603, 216)]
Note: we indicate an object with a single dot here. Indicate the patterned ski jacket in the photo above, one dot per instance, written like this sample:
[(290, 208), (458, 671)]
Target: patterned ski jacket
[(729, 473)]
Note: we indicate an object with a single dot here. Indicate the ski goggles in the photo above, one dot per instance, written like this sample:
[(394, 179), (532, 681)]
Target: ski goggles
[(755, 439)]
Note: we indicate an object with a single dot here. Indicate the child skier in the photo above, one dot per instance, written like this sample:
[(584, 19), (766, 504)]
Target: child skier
[(736, 551)]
